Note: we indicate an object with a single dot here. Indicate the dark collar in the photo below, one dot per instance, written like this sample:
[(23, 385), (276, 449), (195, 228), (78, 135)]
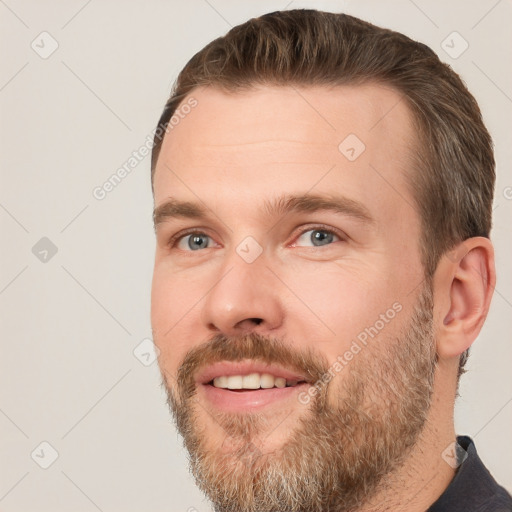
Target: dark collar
[(473, 489)]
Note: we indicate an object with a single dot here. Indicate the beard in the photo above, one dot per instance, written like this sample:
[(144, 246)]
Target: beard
[(356, 430)]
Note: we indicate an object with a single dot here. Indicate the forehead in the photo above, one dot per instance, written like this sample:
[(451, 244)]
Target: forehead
[(258, 142)]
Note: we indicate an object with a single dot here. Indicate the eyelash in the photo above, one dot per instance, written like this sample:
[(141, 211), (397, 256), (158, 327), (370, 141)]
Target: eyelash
[(316, 227)]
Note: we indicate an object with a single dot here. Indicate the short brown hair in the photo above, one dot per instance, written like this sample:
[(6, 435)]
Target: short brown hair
[(453, 180)]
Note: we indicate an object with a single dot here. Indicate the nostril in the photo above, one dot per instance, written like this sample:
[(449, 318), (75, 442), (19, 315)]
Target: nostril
[(247, 324)]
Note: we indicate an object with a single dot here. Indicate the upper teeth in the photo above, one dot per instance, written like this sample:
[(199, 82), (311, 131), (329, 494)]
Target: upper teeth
[(252, 381)]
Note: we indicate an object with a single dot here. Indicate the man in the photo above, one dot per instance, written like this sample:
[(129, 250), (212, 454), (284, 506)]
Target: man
[(323, 195)]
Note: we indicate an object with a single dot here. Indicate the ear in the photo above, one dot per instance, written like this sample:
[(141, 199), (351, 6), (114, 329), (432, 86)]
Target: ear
[(464, 282)]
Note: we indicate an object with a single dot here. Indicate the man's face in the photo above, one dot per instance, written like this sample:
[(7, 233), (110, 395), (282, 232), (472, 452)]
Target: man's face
[(267, 282)]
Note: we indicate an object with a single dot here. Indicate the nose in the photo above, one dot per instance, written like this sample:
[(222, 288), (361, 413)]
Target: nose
[(245, 297)]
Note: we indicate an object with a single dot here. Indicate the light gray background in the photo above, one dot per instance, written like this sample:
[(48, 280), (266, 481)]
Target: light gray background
[(70, 325)]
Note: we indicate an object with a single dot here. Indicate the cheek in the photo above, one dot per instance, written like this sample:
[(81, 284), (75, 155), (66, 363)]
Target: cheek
[(172, 308), (173, 296), (335, 307), (161, 303)]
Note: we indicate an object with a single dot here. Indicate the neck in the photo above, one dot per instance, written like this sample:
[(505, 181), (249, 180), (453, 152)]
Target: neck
[(425, 474)]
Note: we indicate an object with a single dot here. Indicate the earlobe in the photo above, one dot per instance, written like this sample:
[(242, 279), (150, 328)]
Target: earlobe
[(466, 279)]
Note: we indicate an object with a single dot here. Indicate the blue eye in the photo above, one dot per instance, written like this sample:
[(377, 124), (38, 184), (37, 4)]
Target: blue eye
[(194, 242), (317, 237), (197, 240)]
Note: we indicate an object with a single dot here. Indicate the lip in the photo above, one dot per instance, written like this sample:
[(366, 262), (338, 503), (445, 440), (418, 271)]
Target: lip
[(229, 368), (250, 400)]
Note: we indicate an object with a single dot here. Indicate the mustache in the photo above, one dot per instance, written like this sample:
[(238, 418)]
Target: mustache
[(269, 350)]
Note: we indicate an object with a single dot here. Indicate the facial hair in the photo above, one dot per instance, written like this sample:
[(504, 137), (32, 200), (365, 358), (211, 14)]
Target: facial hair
[(356, 430)]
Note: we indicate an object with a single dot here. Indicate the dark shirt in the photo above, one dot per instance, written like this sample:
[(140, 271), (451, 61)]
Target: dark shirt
[(473, 489)]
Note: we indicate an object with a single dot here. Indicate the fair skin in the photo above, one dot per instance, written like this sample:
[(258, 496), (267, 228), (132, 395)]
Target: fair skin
[(236, 150)]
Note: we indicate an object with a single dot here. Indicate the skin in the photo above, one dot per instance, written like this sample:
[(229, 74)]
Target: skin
[(233, 151)]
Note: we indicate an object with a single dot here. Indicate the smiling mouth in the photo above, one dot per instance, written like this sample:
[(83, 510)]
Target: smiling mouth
[(252, 382)]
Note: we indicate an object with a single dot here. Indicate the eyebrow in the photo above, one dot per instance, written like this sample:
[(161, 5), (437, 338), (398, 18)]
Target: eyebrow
[(276, 207)]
